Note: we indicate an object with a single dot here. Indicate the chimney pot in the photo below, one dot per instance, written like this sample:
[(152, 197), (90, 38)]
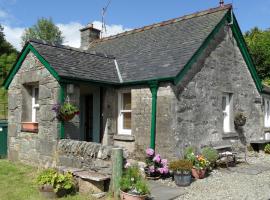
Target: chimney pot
[(221, 3), (88, 35)]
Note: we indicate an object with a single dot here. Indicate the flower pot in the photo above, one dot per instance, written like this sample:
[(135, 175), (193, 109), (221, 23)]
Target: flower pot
[(198, 173), (182, 179), (127, 196), (30, 127), (47, 192)]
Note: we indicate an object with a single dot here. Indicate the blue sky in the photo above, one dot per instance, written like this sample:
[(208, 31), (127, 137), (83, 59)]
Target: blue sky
[(122, 15)]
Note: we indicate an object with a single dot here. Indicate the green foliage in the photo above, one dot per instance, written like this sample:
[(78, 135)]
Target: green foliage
[(240, 119), (210, 154), (133, 182), (267, 148), (68, 109), (57, 180), (5, 46), (181, 165), (44, 29), (258, 42), (6, 63), (189, 154)]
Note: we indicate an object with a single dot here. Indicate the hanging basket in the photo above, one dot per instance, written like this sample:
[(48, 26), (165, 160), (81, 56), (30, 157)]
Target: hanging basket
[(240, 119), (65, 117)]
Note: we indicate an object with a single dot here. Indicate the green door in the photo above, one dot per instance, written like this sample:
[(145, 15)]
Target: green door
[(3, 139)]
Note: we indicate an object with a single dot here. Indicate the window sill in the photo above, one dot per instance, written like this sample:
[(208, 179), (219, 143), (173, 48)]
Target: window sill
[(229, 135), (31, 127), (126, 138)]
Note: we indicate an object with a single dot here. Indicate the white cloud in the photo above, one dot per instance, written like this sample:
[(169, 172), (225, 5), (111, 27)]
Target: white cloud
[(13, 35), (70, 31)]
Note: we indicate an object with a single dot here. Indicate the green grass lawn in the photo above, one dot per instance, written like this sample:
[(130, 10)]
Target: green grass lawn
[(17, 182)]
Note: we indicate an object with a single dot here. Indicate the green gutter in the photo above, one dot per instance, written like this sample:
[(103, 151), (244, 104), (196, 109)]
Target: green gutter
[(245, 53), (154, 88), (62, 99)]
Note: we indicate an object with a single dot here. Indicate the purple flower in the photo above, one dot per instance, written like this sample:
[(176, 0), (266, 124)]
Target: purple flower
[(164, 162), (157, 158), (150, 152), (152, 169), (56, 107)]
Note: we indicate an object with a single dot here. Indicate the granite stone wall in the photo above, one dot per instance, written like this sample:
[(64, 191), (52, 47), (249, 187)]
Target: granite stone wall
[(86, 155), (32, 148)]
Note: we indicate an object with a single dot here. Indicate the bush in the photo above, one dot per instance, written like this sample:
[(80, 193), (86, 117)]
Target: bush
[(210, 154), (267, 148), (57, 180), (181, 165), (189, 154), (132, 182)]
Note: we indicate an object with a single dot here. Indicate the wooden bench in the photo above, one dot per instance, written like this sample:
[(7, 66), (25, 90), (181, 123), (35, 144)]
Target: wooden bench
[(89, 182)]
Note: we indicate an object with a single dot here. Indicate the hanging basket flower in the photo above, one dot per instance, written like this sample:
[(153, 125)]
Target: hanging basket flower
[(240, 119), (65, 112)]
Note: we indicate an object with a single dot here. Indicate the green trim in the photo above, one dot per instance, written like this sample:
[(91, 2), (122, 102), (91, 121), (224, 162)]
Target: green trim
[(245, 53), (204, 45), (62, 99), (20, 60), (154, 88)]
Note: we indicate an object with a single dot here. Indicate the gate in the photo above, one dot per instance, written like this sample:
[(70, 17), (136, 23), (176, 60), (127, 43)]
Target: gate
[(3, 139)]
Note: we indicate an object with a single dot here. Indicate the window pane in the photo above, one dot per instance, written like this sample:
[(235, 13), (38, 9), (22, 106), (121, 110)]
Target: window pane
[(126, 101), (127, 120), (36, 95)]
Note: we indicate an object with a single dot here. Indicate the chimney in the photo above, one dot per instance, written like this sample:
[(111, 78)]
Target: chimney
[(88, 34), (221, 3)]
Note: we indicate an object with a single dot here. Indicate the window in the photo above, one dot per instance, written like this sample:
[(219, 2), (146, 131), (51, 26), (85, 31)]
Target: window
[(35, 105), (124, 116), (267, 112), (227, 112)]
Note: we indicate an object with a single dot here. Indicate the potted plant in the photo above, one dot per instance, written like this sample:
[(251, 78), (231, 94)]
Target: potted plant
[(181, 171), (155, 165), (200, 163), (54, 184), (132, 185), (211, 155), (65, 112), (199, 167), (240, 119)]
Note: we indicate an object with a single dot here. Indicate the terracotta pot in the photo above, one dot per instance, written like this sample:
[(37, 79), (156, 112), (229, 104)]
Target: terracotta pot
[(30, 127), (198, 173), (47, 192), (127, 196)]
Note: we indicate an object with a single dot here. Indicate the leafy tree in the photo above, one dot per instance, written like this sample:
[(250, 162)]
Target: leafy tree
[(5, 46), (258, 42), (44, 29)]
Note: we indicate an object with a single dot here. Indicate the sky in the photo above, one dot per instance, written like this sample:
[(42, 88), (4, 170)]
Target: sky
[(122, 15)]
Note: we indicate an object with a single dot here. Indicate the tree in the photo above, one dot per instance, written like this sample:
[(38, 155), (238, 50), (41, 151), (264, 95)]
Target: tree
[(5, 46), (258, 42), (44, 29)]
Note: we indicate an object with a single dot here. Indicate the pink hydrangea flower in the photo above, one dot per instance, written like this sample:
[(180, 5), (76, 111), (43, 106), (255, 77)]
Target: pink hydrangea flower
[(152, 169), (150, 152), (157, 158), (164, 162), (160, 170), (165, 170)]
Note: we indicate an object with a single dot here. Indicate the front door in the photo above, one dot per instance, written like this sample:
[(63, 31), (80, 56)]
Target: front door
[(88, 124)]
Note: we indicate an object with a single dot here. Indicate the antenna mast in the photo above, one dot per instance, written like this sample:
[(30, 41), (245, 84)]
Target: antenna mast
[(104, 10)]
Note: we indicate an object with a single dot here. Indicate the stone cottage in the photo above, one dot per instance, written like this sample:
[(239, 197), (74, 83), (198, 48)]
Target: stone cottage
[(168, 85)]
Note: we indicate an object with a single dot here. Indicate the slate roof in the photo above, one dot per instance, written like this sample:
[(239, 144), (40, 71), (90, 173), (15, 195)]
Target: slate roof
[(160, 50), (152, 52), (75, 63)]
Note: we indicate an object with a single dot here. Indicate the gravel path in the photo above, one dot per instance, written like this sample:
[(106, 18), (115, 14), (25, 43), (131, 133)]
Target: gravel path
[(246, 181)]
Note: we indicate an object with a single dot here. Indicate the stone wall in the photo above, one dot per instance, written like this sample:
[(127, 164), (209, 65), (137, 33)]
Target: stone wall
[(33, 148), (198, 115), (86, 155)]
